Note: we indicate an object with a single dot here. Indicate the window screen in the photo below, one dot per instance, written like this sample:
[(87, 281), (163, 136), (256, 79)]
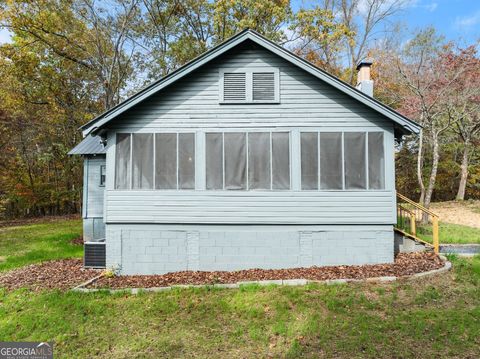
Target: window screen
[(259, 160), (263, 87), (234, 86), (280, 160), (331, 160), (309, 155), (268, 161), (122, 161), (214, 160), (355, 166), (235, 161), (376, 161), (142, 161), (166, 161), (186, 160)]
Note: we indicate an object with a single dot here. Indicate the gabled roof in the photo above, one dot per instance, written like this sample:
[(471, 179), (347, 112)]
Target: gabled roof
[(403, 124), (91, 145)]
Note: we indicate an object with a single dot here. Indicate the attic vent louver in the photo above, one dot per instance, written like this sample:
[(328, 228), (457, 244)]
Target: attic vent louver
[(234, 86), (263, 86)]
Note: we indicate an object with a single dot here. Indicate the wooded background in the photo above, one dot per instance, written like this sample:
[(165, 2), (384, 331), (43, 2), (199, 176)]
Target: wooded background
[(70, 60)]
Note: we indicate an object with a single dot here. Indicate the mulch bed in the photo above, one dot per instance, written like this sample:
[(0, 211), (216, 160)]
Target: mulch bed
[(59, 274), (405, 264), (67, 273)]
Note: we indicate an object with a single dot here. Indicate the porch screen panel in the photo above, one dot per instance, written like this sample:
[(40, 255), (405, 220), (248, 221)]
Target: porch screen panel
[(331, 160), (214, 160), (259, 160), (280, 160), (235, 161), (122, 161), (355, 162), (166, 161), (186, 160), (376, 161), (142, 161), (309, 162)]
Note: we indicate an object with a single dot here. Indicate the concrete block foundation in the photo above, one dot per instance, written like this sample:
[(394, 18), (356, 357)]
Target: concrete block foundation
[(158, 249)]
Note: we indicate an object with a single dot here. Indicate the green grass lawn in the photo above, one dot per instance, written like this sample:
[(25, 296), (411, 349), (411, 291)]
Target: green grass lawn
[(425, 318), (33, 243), (428, 318), (451, 233), (456, 233)]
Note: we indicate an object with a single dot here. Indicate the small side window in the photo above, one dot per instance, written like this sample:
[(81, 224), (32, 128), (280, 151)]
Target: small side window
[(102, 175)]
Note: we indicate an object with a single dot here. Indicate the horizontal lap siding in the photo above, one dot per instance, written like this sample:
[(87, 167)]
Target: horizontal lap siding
[(250, 207), (305, 102), (193, 102)]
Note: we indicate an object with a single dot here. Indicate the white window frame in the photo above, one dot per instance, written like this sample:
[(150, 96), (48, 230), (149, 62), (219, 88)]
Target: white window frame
[(249, 84)]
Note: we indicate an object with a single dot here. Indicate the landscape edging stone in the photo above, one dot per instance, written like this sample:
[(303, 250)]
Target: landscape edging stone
[(285, 282)]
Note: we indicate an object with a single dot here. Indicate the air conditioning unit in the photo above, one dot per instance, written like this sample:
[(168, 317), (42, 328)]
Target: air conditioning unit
[(94, 255)]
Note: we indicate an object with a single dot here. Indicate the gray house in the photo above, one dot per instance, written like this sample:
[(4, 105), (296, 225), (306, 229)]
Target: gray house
[(246, 157)]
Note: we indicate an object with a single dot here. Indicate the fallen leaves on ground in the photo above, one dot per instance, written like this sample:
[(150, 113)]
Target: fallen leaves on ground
[(58, 274), (405, 264), (68, 273)]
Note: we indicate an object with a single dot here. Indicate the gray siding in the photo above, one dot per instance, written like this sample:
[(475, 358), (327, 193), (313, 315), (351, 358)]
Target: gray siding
[(93, 192), (302, 207), (306, 103), (193, 102), (93, 199)]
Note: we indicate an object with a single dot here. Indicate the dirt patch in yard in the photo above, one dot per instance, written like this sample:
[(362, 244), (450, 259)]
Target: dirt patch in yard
[(58, 274), (77, 241), (405, 264), (465, 213)]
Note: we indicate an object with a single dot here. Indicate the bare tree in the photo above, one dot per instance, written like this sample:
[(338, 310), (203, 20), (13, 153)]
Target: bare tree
[(418, 75), (112, 50), (463, 103), (368, 20)]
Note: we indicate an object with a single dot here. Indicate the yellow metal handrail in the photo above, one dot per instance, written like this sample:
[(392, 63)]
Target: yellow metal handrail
[(413, 218)]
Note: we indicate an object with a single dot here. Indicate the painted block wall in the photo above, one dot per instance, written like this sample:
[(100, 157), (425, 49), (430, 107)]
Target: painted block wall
[(158, 249)]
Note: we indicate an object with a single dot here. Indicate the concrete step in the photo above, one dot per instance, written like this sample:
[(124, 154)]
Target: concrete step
[(405, 244)]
